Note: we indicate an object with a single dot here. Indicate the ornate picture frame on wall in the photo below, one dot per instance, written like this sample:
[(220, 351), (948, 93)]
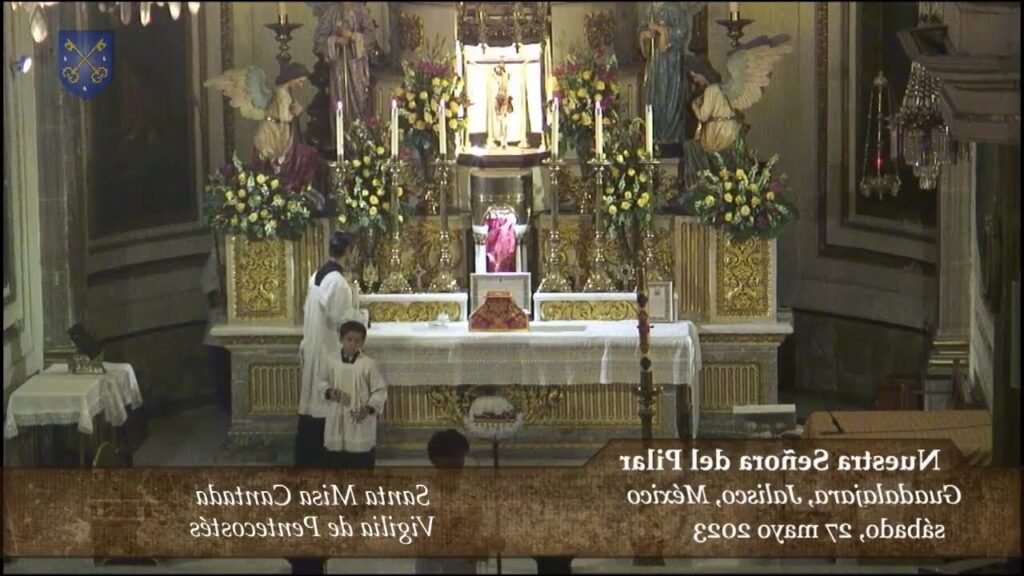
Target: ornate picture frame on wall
[(661, 301), (518, 283)]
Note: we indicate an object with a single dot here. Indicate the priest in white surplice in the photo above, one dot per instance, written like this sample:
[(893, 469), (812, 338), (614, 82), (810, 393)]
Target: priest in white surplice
[(330, 302)]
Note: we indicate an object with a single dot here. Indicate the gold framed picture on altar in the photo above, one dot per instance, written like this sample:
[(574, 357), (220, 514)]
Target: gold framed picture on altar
[(518, 283), (660, 302)]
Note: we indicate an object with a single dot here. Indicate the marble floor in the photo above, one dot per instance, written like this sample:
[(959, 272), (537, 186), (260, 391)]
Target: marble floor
[(194, 437)]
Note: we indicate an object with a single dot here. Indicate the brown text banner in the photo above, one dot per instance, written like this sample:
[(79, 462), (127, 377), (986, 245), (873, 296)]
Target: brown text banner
[(673, 499)]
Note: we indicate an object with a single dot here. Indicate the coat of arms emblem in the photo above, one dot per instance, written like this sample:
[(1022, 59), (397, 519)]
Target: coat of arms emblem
[(85, 61)]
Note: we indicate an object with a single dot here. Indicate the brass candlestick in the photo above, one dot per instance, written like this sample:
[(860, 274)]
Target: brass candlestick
[(646, 245), (734, 28), (554, 280), (445, 280), (283, 34), (395, 282), (599, 280)]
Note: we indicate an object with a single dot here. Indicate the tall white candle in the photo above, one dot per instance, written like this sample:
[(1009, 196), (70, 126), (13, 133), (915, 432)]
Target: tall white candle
[(556, 121), (394, 128), (734, 6), (339, 133), (443, 132), (282, 12), (599, 130), (649, 130)]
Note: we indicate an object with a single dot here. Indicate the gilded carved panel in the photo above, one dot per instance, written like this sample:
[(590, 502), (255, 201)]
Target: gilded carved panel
[(413, 311), (259, 280), (744, 279), (583, 310)]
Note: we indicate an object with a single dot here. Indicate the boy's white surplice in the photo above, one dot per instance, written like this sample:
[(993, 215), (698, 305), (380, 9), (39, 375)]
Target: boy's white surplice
[(363, 381), (328, 306)]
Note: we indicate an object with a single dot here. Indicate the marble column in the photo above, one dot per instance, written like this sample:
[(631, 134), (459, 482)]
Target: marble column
[(62, 150), (955, 190)]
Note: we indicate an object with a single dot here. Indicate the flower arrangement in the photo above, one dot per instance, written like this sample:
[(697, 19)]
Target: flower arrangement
[(425, 82), (246, 202), (745, 203), (364, 202), (582, 79), (627, 199)]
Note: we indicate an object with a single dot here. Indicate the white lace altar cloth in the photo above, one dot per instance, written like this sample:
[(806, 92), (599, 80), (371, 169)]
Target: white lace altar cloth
[(56, 397), (549, 354)]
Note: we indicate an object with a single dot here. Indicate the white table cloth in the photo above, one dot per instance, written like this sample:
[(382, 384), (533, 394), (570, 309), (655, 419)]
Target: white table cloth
[(56, 397), (551, 354)]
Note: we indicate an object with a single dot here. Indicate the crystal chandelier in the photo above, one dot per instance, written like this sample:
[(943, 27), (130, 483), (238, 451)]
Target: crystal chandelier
[(919, 134), (37, 19), (879, 175)]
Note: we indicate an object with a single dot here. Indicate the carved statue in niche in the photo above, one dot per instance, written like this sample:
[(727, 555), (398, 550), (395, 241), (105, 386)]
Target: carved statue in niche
[(666, 27), (346, 36), (502, 105)]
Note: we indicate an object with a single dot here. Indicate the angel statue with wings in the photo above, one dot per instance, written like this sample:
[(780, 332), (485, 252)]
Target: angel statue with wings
[(277, 144), (719, 104)]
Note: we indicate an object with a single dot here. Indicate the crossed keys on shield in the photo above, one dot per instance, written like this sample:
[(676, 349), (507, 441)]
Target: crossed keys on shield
[(71, 72)]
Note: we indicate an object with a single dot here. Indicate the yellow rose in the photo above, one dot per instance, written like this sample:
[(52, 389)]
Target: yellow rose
[(376, 182), (576, 117), (626, 205), (587, 120), (274, 184), (374, 201), (411, 104), (709, 201), (581, 93), (342, 219), (741, 199), (727, 186), (253, 217), (229, 196), (366, 173), (398, 92), (740, 174), (645, 197), (420, 125), (628, 195), (625, 153), (436, 81), (373, 210), (241, 177), (366, 159), (770, 196), (620, 159), (754, 201), (599, 85), (234, 220), (401, 218), (261, 179), (428, 118), (240, 206), (612, 209), (380, 150), (241, 193), (752, 187), (264, 213), (423, 95), (356, 163), (728, 198), (728, 216), (400, 191), (445, 83), (386, 205), (642, 202), (631, 172), (723, 174), (745, 211), (586, 75), (643, 177), (615, 172)]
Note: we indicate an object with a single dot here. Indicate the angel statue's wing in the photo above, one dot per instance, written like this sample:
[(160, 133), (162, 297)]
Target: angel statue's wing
[(247, 88), (749, 69)]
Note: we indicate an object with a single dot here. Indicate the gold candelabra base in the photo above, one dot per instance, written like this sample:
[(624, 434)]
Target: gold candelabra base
[(444, 280), (554, 280), (395, 282), (599, 280)]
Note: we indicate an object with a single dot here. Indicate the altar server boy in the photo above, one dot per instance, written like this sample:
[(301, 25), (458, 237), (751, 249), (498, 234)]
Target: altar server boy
[(356, 392)]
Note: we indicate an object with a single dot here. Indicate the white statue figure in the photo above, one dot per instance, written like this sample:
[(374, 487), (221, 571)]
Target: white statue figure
[(502, 104)]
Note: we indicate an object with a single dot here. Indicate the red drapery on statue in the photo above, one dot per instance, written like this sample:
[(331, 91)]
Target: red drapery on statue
[(501, 242)]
